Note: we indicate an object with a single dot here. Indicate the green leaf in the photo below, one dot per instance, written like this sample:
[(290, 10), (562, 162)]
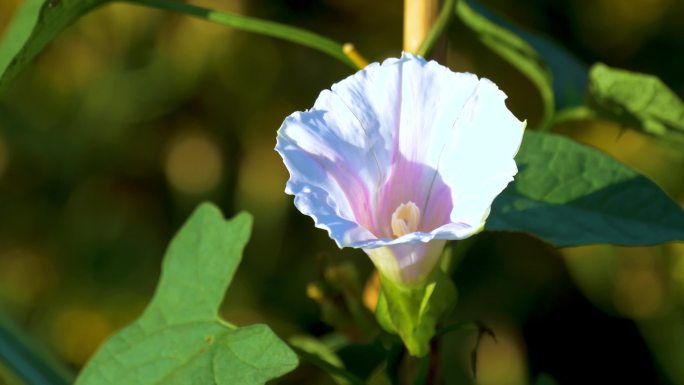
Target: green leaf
[(560, 78), (412, 312), (637, 100), (38, 22), (569, 194), (180, 338)]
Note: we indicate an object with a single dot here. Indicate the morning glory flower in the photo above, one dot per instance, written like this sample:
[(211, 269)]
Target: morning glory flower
[(400, 157)]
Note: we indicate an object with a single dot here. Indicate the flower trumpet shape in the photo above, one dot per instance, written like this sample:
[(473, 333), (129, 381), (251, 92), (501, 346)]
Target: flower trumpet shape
[(400, 157)]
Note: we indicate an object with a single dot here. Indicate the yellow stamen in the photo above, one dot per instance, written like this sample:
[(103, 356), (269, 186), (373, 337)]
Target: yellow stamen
[(405, 219)]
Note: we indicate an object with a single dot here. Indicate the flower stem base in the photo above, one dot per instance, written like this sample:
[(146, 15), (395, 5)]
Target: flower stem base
[(413, 312)]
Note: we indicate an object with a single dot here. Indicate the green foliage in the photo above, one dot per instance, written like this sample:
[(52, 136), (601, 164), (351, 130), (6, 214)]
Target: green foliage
[(180, 338), (566, 194), (38, 22), (413, 312), (250, 24), (637, 100), (569, 194), (35, 25), (319, 354), (560, 78)]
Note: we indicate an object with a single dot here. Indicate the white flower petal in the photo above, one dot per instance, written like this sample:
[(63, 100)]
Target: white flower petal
[(404, 131), (319, 178), (486, 140)]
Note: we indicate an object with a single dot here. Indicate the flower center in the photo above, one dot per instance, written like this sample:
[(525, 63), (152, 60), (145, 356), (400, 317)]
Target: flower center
[(405, 219)]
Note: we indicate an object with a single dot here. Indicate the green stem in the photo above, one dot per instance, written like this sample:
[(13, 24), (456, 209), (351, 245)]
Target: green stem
[(328, 367), (437, 28), (423, 370), (263, 27), (457, 327)]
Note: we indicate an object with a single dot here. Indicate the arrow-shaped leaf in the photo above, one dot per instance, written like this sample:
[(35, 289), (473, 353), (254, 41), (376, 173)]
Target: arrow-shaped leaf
[(180, 338)]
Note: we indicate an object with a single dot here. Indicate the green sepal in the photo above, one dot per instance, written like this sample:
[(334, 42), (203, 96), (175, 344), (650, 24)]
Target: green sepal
[(413, 312)]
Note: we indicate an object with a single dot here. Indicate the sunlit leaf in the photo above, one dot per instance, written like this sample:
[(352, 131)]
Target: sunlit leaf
[(560, 78), (180, 338), (638, 101), (36, 23), (570, 194)]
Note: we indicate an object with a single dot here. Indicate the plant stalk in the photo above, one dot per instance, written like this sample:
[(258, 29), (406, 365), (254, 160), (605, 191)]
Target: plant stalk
[(263, 27), (419, 15)]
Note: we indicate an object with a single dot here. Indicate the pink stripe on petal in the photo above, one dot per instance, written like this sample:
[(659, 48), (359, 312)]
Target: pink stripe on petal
[(406, 131)]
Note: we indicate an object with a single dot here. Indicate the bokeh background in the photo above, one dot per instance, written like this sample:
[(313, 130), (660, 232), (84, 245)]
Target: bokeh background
[(133, 116)]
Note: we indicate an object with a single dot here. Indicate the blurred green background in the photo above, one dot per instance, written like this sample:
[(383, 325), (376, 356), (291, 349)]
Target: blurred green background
[(134, 116)]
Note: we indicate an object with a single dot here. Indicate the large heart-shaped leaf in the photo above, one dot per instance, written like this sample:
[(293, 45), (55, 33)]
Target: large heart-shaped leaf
[(180, 338), (569, 194)]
